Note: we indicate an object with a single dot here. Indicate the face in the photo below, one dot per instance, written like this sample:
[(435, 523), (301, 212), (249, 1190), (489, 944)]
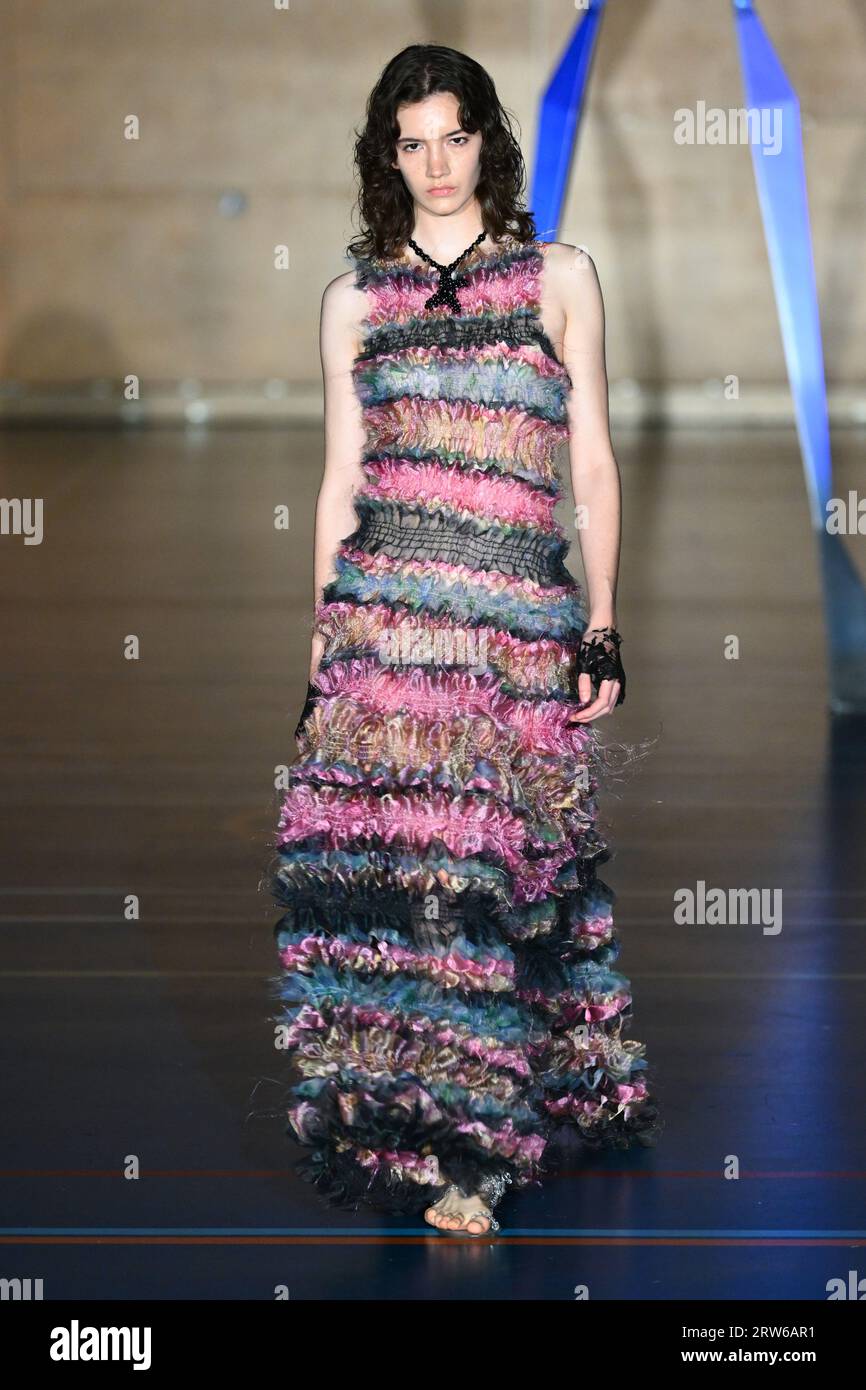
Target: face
[(440, 163)]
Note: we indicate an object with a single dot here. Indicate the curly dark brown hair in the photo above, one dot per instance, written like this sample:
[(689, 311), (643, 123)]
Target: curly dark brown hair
[(385, 204)]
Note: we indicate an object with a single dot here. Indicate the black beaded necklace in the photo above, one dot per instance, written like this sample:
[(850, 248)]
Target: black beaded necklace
[(449, 283)]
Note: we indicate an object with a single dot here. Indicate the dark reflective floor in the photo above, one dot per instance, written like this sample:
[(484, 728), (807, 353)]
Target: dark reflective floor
[(154, 777)]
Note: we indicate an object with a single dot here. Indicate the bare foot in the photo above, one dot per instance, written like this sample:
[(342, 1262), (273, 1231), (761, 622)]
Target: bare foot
[(450, 1213)]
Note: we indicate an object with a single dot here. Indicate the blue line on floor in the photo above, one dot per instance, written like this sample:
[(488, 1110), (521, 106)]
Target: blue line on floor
[(415, 1230)]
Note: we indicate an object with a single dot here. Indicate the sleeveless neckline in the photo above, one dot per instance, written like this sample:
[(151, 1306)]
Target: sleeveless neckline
[(376, 271), (477, 261)]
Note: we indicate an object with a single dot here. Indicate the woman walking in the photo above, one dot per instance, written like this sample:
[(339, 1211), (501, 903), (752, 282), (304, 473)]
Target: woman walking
[(446, 947)]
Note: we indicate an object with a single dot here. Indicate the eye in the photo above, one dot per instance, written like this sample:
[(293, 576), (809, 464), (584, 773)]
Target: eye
[(411, 146)]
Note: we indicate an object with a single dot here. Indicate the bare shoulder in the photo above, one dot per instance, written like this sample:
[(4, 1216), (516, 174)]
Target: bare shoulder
[(341, 298), (570, 272), (344, 306)]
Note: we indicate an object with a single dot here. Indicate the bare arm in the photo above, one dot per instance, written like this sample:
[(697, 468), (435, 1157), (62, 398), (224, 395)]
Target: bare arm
[(342, 308), (595, 475)]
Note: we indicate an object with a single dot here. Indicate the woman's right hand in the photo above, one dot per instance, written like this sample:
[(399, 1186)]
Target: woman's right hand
[(318, 647), (310, 697), (309, 701)]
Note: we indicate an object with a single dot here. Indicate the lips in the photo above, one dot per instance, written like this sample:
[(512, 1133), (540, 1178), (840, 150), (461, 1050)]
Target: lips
[(441, 190)]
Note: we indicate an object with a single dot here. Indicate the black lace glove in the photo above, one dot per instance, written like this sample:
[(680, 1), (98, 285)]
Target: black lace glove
[(598, 655), (312, 695)]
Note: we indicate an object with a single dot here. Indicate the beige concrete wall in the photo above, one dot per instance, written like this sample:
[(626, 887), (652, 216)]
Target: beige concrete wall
[(116, 257)]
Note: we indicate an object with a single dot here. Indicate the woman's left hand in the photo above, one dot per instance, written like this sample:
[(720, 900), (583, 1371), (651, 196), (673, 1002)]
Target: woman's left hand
[(604, 703), (598, 663)]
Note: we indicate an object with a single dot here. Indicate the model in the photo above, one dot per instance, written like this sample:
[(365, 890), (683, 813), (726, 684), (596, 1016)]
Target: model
[(453, 1021)]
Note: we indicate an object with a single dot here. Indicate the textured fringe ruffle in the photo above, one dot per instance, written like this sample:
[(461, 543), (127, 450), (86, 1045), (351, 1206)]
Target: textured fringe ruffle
[(520, 605), (496, 375), (509, 438), (507, 500), (522, 667)]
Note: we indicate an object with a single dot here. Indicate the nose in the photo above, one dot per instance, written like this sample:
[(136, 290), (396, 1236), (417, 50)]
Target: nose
[(436, 165)]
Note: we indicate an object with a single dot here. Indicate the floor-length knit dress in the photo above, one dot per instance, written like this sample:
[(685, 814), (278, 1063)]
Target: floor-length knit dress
[(448, 1002)]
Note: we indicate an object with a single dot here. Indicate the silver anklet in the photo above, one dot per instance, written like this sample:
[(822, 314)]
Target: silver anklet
[(492, 1186)]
